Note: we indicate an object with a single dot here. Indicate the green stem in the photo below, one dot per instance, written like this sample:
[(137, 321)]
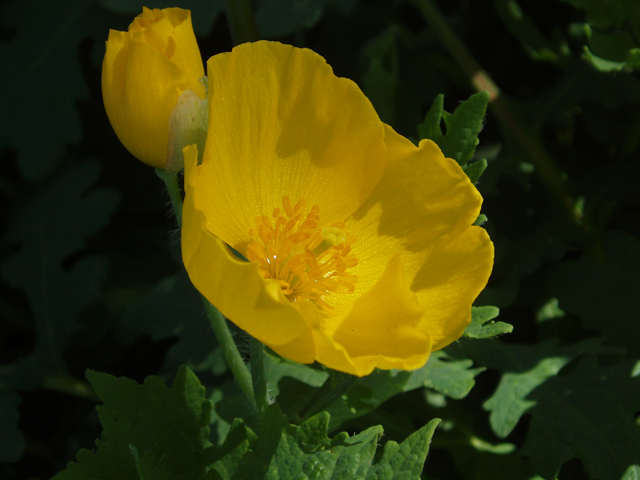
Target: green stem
[(481, 81), (175, 194), (327, 394), (240, 18), (258, 375), (70, 386), (229, 349)]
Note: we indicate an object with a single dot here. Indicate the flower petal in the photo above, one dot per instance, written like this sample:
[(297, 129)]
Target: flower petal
[(181, 46), (235, 287), (282, 124), (144, 72), (423, 205), (452, 276), (133, 103), (381, 330)]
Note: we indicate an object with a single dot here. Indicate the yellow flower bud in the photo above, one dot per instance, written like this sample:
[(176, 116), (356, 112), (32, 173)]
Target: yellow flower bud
[(145, 71)]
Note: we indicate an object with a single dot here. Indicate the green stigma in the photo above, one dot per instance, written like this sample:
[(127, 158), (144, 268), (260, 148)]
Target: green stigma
[(331, 236)]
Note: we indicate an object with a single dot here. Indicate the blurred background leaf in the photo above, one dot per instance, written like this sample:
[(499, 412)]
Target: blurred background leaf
[(86, 285), (50, 227), (11, 438)]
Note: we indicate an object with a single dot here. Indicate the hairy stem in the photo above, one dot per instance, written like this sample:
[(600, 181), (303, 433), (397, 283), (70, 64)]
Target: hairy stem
[(175, 194), (229, 349), (258, 375)]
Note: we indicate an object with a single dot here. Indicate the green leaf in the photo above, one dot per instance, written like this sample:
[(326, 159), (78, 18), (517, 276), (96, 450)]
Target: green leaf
[(482, 324), (445, 374), (598, 289), (380, 80), (174, 308), (613, 30), (150, 431), (632, 473), (38, 98), (276, 18), (407, 459), (11, 438), (602, 64), (367, 394), (54, 225), (462, 126), (149, 467), (283, 452), (226, 460), (549, 311), (522, 27), (526, 368), (475, 170), (588, 414), (606, 14)]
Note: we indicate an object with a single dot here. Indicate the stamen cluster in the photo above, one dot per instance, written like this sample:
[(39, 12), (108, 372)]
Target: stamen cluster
[(307, 260)]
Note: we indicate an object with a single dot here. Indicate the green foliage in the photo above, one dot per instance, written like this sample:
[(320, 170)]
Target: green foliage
[(150, 431), (524, 369), (448, 375), (53, 226), (84, 285), (587, 414), (11, 438), (37, 100), (596, 287), (275, 18), (380, 80), (482, 324), (534, 41), (462, 127), (296, 385), (613, 31), (155, 313), (285, 452)]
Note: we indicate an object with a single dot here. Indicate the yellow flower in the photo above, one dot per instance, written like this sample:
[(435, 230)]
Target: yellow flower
[(144, 72), (361, 245)]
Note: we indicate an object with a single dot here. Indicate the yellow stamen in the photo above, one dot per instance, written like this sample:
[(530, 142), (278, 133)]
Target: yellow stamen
[(308, 260)]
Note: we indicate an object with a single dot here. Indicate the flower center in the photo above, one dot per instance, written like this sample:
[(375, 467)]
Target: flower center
[(308, 261)]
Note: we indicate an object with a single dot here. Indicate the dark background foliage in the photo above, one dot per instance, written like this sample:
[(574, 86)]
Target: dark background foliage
[(90, 271)]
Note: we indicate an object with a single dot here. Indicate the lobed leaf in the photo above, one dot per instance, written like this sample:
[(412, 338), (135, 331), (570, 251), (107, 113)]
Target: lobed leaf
[(149, 430), (588, 414), (598, 289), (284, 452), (53, 226), (462, 126), (445, 374), (38, 98), (525, 368), (482, 324)]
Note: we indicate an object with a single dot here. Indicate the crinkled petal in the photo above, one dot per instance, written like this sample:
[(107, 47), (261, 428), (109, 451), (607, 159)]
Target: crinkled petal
[(423, 205), (235, 287), (183, 49), (282, 124), (382, 328)]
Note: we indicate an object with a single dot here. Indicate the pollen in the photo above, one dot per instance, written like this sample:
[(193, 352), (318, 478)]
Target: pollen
[(308, 260)]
